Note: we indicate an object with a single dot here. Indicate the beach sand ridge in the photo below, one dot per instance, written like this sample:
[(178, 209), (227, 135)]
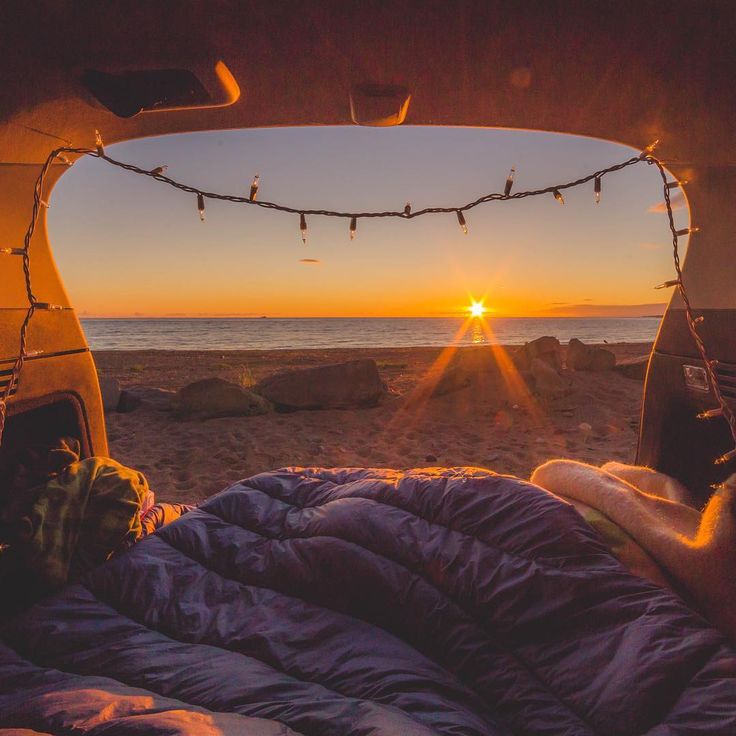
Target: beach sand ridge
[(482, 425)]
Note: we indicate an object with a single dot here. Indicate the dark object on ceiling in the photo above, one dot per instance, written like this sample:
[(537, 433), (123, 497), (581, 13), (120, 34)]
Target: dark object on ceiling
[(380, 105), (128, 93)]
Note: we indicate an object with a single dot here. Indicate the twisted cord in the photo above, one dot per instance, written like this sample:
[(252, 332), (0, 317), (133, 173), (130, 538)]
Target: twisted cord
[(724, 409), (494, 197)]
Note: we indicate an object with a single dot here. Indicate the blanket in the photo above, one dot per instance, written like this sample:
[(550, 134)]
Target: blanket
[(348, 602)]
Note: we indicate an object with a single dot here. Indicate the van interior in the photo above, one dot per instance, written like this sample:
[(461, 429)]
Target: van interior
[(627, 72)]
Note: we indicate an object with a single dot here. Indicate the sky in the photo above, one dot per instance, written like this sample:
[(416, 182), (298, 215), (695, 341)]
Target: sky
[(127, 245)]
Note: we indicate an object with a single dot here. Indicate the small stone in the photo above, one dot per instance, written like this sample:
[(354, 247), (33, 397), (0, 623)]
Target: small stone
[(431, 458), (634, 368), (585, 427), (214, 397), (582, 357), (493, 456), (504, 419), (548, 381), (547, 349), (452, 379), (148, 397), (129, 401)]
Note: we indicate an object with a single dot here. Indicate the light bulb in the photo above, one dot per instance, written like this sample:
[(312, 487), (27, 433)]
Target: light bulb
[(461, 222), (558, 196), (723, 459), (668, 284), (159, 170), (200, 206), (353, 227), (407, 209), (254, 188), (710, 413), (509, 183), (99, 145), (649, 150), (303, 227), (686, 231), (597, 189), (12, 251), (675, 184)]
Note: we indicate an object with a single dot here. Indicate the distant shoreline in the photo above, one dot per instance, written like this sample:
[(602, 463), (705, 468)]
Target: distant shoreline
[(348, 332), (630, 347), (490, 317)]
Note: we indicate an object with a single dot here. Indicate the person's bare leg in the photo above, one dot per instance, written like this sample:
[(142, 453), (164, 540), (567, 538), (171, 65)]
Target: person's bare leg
[(650, 481), (711, 577)]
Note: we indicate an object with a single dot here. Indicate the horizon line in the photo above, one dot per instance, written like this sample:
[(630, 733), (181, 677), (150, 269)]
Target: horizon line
[(443, 315)]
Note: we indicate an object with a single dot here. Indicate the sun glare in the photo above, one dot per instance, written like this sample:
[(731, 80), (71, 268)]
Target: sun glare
[(477, 309)]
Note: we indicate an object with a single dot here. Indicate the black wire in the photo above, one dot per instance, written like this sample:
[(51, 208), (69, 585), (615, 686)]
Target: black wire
[(493, 197)]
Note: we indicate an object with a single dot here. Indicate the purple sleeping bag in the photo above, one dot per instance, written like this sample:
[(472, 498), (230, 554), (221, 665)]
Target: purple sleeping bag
[(368, 603)]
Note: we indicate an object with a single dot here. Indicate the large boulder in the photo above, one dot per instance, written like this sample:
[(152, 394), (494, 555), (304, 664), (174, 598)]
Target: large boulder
[(354, 384), (547, 349), (635, 368), (582, 357), (548, 383), (215, 397), (110, 390)]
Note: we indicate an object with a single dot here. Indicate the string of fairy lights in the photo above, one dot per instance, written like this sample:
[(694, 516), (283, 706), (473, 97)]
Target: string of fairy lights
[(158, 173)]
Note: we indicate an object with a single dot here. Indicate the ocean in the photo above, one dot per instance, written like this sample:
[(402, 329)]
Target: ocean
[(283, 334)]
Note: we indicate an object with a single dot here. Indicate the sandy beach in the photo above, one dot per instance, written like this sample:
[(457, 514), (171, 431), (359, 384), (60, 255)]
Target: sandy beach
[(491, 423)]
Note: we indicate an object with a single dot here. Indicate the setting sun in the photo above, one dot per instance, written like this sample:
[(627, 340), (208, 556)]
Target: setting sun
[(477, 309)]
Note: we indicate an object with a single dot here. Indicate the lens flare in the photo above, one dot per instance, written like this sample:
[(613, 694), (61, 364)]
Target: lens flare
[(477, 309)]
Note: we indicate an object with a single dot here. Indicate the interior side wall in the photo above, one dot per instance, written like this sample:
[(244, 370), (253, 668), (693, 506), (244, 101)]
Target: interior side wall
[(59, 364), (672, 439)]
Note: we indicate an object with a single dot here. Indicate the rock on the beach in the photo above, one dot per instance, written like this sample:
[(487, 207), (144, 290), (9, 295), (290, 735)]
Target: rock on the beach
[(547, 349), (110, 390), (133, 397), (215, 397), (547, 381), (451, 379), (582, 357), (354, 384), (635, 368), (128, 402)]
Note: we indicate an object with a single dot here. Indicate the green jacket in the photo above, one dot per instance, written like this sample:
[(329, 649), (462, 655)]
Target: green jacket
[(74, 521)]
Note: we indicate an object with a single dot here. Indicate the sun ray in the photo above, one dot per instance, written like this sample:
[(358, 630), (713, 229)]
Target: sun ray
[(516, 386), (416, 401)]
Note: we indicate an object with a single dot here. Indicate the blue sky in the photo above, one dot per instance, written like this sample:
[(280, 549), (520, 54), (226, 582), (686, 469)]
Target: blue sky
[(128, 245)]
